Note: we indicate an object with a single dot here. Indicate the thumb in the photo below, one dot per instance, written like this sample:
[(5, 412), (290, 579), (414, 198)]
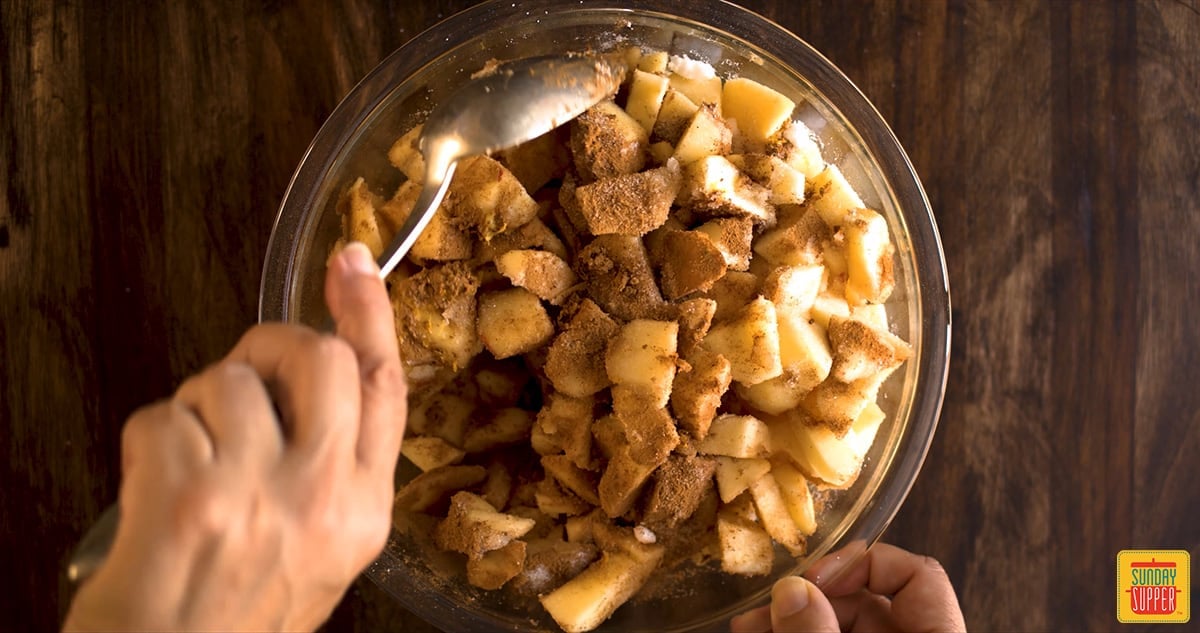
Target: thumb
[(358, 301), (797, 605)]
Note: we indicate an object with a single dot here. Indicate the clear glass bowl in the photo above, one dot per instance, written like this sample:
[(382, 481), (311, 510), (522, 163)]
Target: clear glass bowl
[(401, 91)]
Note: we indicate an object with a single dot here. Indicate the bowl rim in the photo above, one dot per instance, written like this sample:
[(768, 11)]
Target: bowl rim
[(720, 15)]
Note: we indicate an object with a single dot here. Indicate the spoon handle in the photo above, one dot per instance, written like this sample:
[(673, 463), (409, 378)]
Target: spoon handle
[(436, 183), (94, 546)]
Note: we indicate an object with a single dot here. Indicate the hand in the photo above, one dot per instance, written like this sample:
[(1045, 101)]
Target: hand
[(234, 517), (888, 589)]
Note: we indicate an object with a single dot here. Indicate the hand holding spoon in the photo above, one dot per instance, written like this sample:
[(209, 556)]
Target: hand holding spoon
[(513, 103)]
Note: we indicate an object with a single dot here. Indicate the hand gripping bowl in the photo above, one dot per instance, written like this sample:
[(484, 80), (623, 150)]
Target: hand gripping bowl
[(400, 92)]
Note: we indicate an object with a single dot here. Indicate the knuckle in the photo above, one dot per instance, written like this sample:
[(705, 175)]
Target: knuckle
[(204, 509)]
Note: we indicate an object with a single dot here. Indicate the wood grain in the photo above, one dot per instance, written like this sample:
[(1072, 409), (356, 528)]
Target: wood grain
[(144, 149)]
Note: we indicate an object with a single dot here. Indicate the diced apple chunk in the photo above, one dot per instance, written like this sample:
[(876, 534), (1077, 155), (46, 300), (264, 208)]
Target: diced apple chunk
[(797, 146), (674, 116), (606, 142), (732, 293), (794, 289), (512, 322), (474, 527), (586, 601), (692, 262), (796, 495), (427, 489), (506, 426), (746, 548), (827, 306), (758, 110), (696, 393), (782, 180), (734, 475), (487, 199), (823, 455), (654, 62), (405, 155), (714, 187), (750, 341), (705, 135), (622, 481), (643, 354), (495, 568), (629, 204), (774, 516), (542, 273), (797, 241), (732, 236), (868, 257), (646, 92), (860, 351), (575, 360), (428, 453), (741, 436), (358, 208), (832, 196)]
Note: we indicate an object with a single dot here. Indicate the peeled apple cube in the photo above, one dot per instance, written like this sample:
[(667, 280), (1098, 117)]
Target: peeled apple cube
[(758, 110)]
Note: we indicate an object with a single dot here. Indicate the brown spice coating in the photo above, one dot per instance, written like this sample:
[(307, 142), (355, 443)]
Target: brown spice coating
[(603, 146), (692, 263), (696, 394), (495, 568), (619, 279), (485, 199), (427, 304), (860, 351), (632, 204), (575, 360), (649, 430), (678, 487), (734, 236), (695, 317)]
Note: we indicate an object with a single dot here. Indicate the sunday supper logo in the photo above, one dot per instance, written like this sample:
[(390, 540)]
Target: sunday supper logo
[(1153, 586)]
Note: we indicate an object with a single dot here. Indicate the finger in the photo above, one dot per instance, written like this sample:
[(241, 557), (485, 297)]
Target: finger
[(314, 379), (863, 611), (753, 621), (164, 438), (360, 307), (234, 406), (922, 596), (797, 605)]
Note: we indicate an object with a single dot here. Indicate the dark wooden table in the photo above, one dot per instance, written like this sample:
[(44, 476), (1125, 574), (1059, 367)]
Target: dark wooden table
[(146, 146)]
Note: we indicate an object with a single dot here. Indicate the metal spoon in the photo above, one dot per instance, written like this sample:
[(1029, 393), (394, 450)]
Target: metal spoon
[(515, 102)]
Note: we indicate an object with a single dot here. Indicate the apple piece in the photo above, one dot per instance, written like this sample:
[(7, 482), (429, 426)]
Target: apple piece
[(735, 475), (731, 435), (746, 548), (758, 110), (750, 341), (428, 453)]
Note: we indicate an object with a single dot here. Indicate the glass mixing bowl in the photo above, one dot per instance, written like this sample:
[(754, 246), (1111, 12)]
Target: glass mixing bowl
[(402, 90)]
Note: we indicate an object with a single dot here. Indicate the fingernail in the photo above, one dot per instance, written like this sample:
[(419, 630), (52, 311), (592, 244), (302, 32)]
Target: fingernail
[(789, 597), (358, 258)]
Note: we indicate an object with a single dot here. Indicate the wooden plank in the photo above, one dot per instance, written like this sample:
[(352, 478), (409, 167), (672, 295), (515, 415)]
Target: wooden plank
[(1166, 420), (980, 136)]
